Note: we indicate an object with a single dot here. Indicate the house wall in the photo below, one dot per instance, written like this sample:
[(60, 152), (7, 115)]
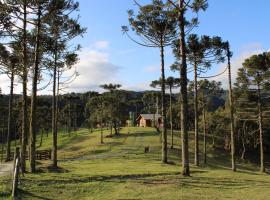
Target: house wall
[(145, 123), (149, 123), (142, 122)]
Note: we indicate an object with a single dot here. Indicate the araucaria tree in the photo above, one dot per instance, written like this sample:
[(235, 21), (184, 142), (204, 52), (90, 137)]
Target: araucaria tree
[(9, 62), (63, 28), (231, 103), (206, 90), (171, 83), (185, 26), (41, 30), (254, 77), (15, 18), (155, 23), (201, 53), (96, 106), (36, 73), (113, 105)]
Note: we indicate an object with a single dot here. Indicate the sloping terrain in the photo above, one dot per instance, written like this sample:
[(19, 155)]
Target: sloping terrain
[(120, 169)]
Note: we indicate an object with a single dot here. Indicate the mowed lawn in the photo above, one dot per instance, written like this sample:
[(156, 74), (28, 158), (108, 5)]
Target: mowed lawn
[(120, 169)]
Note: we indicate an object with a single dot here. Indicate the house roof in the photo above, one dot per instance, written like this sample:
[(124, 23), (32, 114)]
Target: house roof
[(149, 116)]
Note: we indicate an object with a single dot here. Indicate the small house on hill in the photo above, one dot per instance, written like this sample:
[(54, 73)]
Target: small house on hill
[(149, 120)]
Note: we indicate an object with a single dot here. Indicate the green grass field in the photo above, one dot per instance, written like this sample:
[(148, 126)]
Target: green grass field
[(119, 169)]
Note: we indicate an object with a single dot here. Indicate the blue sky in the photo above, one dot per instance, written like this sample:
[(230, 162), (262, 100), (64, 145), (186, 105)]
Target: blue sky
[(109, 56), (136, 66)]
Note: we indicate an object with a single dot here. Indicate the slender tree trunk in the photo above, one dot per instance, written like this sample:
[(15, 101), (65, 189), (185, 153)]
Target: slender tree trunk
[(41, 138), (10, 114), (24, 95), (171, 118), (243, 145), (260, 120), (183, 92), (33, 126), (115, 128), (164, 121), (196, 131), (57, 106), (213, 140), (2, 138), (119, 114), (69, 117), (204, 135), (54, 107), (231, 111), (155, 116), (101, 124), (111, 120), (157, 104), (75, 120)]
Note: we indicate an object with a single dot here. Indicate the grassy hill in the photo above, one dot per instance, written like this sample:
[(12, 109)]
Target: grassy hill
[(119, 169)]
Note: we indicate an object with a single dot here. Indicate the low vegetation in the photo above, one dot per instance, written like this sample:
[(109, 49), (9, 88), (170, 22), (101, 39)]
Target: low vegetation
[(120, 169)]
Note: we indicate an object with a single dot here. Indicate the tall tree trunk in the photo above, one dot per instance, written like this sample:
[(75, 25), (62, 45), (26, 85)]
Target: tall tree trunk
[(69, 117), (54, 130), (157, 104), (243, 143), (204, 134), (164, 121), (196, 131), (75, 120), (119, 114), (41, 138), (24, 95), (101, 123), (111, 126), (33, 125), (260, 120), (183, 92), (2, 138), (10, 114), (231, 110), (171, 118), (55, 113), (155, 116), (57, 104)]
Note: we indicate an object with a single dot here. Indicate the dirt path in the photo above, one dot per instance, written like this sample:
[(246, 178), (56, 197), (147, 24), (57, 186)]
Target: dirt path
[(6, 169)]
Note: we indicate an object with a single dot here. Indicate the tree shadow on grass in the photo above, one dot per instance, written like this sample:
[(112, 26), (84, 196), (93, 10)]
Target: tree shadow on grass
[(74, 140), (4, 195), (22, 195), (172, 178), (227, 183), (109, 178), (114, 143), (139, 134), (221, 159), (51, 169), (58, 169)]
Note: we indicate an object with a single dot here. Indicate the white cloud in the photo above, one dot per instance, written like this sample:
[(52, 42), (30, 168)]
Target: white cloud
[(5, 84), (125, 52), (138, 87), (94, 69), (151, 68), (101, 45)]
